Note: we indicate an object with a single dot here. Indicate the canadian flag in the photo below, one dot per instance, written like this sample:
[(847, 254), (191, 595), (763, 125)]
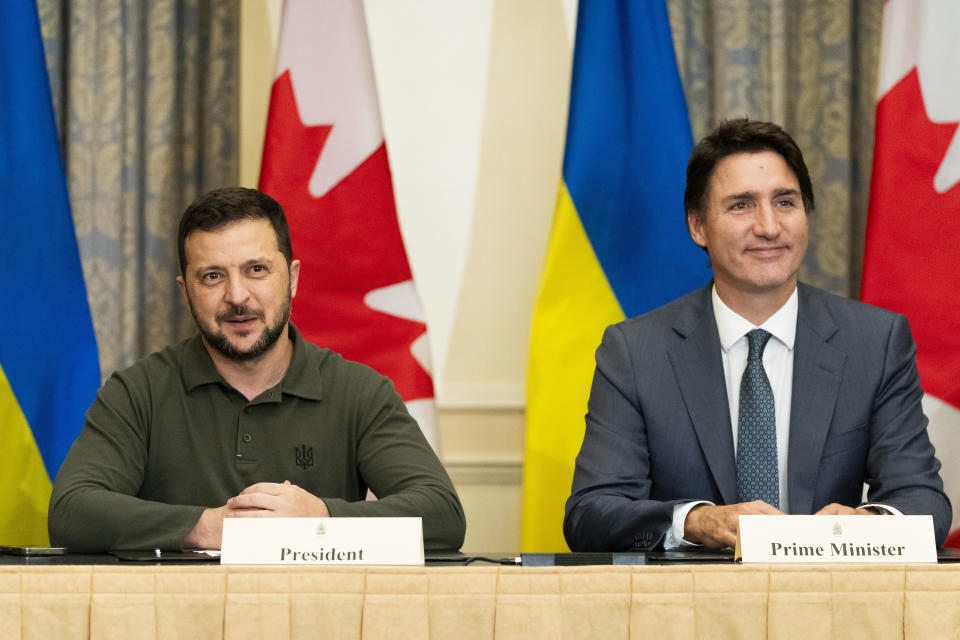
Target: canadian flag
[(325, 161), (912, 254)]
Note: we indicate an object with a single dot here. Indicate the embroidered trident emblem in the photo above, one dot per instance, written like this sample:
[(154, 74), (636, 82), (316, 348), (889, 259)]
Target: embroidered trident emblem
[(303, 456)]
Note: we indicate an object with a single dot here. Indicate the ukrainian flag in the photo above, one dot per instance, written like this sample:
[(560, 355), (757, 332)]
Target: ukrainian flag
[(49, 369), (619, 244)]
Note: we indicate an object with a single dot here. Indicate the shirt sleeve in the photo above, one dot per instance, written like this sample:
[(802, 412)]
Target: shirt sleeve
[(674, 538), (402, 470), (94, 507)]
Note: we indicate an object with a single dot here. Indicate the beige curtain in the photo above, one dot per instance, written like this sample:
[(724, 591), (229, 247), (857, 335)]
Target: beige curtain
[(146, 101), (811, 66)]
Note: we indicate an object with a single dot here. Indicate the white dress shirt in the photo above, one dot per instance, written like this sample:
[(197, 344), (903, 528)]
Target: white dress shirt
[(778, 364)]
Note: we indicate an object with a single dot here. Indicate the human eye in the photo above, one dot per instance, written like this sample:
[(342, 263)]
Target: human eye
[(259, 269), (210, 277), (787, 203), (737, 205)]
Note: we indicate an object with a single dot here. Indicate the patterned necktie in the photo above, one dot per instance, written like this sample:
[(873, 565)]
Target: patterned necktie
[(757, 477)]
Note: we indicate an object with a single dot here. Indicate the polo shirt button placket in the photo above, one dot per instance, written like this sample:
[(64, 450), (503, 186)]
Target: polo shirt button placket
[(245, 433)]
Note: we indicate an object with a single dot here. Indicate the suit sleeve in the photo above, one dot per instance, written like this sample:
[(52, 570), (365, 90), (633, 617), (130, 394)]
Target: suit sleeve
[(609, 508), (902, 470)]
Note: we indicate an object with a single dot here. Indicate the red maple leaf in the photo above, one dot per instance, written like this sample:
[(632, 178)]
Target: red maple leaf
[(349, 244), (913, 235)]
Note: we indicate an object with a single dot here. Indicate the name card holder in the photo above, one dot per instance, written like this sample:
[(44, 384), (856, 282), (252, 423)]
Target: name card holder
[(893, 539), (335, 541)]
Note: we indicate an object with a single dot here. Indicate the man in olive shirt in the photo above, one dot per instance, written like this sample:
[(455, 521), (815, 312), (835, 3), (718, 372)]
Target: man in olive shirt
[(245, 419)]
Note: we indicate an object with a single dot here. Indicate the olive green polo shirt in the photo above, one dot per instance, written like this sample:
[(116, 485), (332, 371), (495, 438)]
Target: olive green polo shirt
[(169, 437)]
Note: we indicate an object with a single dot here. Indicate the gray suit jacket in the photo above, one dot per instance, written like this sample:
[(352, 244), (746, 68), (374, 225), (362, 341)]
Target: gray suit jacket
[(658, 424)]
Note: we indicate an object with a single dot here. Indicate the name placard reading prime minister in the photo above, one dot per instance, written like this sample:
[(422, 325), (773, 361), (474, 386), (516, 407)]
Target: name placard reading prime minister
[(806, 538), (360, 541)]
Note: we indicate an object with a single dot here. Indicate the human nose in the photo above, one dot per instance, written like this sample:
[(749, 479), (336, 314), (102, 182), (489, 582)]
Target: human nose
[(765, 223), (236, 293)]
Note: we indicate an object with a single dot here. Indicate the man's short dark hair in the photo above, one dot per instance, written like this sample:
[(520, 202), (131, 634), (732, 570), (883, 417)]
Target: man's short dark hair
[(741, 136), (221, 207)]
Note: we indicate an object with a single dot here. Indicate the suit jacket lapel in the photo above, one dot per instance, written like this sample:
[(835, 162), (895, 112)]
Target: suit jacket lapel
[(698, 368), (817, 372)]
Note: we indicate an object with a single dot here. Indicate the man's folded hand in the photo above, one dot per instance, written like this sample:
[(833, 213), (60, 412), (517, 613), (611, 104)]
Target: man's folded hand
[(716, 526), (276, 500)]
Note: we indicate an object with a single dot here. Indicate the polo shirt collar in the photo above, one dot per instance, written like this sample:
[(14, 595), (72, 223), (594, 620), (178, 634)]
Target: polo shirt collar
[(303, 375), (731, 326), (197, 367), (301, 379)]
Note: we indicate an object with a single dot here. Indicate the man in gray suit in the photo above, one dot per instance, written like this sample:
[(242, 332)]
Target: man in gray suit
[(820, 392)]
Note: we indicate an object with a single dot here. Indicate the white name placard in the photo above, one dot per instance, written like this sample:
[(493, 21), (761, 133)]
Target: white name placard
[(391, 541), (836, 539)]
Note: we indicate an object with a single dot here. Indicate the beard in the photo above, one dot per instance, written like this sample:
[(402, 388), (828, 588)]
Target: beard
[(220, 343)]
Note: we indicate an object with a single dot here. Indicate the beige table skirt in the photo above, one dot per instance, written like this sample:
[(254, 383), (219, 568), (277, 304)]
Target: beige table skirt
[(704, 601)]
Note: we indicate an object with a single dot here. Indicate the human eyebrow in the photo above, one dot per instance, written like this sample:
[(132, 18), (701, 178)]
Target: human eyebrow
[(779, 193), (743, 195), (252, 262)]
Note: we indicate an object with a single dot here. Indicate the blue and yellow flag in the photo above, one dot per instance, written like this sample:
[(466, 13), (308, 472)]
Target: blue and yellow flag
[(49, 368), (619, 244)]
